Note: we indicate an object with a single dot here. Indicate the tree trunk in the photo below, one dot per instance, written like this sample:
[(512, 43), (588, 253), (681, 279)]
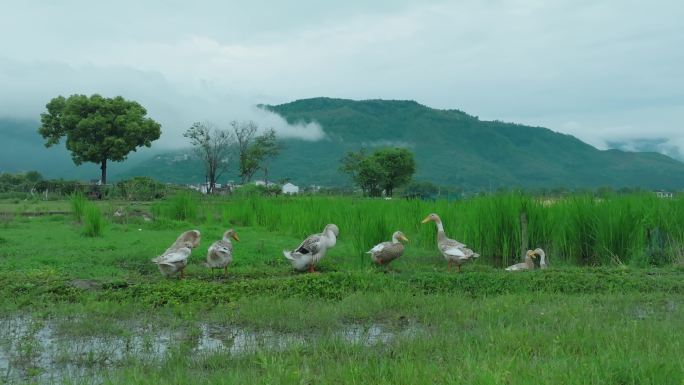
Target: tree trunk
[(103, 177), (266, 176), (212, 182)]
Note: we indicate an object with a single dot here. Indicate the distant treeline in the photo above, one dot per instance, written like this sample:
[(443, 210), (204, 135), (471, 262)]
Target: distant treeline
[(32, 185)]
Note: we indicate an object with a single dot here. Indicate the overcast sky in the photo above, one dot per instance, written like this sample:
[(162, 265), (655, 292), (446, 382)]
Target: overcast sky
[(605, 71)]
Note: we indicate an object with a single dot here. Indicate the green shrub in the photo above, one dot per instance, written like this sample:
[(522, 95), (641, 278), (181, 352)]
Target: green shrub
[(78, 203), (93, 225), (183, 206), (140, 188)]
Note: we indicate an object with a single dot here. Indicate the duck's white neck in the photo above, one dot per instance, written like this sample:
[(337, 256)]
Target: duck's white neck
[(440, 231), (330, 238), (394, 238)]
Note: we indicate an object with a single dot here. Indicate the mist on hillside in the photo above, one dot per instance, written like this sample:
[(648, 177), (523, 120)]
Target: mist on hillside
[(27, 88)]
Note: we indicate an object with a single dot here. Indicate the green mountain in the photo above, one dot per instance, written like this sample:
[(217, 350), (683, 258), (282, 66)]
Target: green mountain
[(452, 148)]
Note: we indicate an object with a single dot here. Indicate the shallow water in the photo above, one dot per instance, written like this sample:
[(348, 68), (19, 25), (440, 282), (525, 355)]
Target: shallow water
[(34, 350)]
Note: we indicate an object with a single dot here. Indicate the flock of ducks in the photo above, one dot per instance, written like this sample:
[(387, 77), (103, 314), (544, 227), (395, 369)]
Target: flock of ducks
[(309, 253)]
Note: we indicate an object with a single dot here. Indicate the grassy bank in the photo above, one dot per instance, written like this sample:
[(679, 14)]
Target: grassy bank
[(379, 338)]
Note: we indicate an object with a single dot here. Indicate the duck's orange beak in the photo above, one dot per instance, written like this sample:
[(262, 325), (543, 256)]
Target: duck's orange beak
[(236, 237), (426, 220)]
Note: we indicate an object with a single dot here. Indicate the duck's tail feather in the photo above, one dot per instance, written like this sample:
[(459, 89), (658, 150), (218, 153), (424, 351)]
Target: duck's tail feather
[(288, 255)]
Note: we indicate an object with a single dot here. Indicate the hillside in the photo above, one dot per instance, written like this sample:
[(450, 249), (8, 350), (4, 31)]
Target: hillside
[(454, 148), (451, 147)]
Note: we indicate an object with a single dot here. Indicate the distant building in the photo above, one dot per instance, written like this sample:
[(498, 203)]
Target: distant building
[(664, 194), (262, 183), (231, 186), (180, 158), (204, 187), (289, 188)]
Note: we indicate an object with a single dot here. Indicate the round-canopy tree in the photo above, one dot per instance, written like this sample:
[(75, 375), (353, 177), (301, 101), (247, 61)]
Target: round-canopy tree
[(384, 170), (98, 129)]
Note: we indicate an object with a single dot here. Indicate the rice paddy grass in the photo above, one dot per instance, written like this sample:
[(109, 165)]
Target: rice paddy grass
[(79, 309)]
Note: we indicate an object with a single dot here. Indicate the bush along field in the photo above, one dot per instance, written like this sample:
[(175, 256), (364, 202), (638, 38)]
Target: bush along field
[(83, 304)]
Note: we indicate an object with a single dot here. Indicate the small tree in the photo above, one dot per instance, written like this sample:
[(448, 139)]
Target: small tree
[(384, 170), (398, 166), (421, 189), (213, 145), (98, 129), (363, 171), (371, 176), (244, 135), (265, 148)]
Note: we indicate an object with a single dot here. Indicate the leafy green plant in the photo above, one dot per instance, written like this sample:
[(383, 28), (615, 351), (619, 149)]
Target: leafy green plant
[(78, 202), (181, 207), (93, 224)]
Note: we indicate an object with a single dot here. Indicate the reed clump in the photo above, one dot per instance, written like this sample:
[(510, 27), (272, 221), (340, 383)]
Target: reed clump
[(636, 229)]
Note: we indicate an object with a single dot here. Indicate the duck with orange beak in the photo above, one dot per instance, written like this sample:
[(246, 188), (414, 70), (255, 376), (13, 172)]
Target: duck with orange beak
[(310, 252), (527, 264), (386, 252), (453, 251), (220, 253)]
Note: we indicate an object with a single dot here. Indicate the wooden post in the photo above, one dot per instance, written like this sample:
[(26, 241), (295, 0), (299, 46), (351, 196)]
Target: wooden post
[(523, 235)]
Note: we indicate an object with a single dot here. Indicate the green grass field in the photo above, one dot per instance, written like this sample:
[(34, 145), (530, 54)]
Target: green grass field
[(84, 308)]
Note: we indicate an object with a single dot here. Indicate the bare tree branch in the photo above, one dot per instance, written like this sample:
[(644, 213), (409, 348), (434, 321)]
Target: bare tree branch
[(214, 146)]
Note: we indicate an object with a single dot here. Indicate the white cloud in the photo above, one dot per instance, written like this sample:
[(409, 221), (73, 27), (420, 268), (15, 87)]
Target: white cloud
[(605, 71), (33, 85)]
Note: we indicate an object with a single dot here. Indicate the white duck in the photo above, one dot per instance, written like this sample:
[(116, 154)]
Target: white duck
[(528, 264), (543, 264), (220, 253), (189, 239), (452, 250), (173, 262), (313, 249), (386, 252)]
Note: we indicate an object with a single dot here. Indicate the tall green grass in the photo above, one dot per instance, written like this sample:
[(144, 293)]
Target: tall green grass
[(93, 223), (637, 229), (181, 207), (78, 202)]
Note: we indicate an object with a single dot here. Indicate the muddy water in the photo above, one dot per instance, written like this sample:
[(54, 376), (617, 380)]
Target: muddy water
[(33, 350)]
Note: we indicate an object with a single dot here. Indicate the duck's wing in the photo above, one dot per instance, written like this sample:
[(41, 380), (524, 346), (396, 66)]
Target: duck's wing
[(172, 258), (221, 246), (219, 252), (378, 248), (390, 251), (311, 245), (517, 267), (452, 248)]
